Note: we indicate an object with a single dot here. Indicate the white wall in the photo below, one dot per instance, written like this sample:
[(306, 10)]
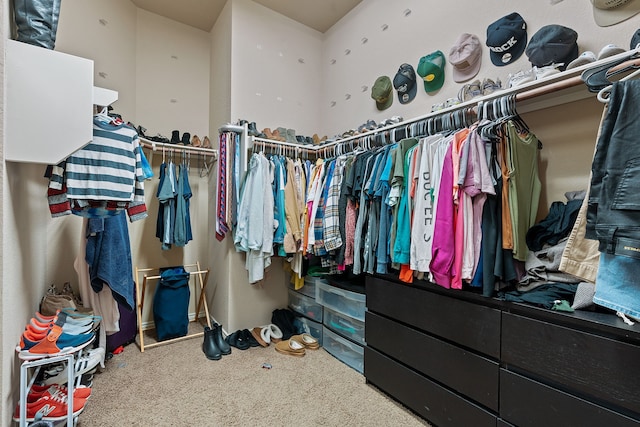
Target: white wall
[(426, 29)]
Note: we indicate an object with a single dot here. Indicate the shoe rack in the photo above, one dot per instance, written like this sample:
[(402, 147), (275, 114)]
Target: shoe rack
[(25, 384)]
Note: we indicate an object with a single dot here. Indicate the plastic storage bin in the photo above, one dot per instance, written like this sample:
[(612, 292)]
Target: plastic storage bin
[(309, 288), (311, 327), (344, 325), (304, 305), (344, 350), (345, 302)]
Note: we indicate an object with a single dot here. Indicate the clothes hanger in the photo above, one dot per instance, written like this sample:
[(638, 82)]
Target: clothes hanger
[(604, 93)]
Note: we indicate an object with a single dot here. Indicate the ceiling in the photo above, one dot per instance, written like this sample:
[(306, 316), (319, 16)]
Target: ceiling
[(202, 14)]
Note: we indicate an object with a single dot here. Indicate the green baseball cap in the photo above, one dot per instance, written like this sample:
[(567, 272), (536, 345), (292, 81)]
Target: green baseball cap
[(382, 92), (431, 69)]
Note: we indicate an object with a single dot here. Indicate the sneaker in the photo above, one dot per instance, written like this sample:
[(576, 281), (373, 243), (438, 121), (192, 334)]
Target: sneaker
[(437, 107), (86, 364), (67, 328), (546, 71), (37, 391), (68, 317), (55, 342), (610, 50), (469, 91), (51, 407), (586, 57), (521, 77), (450, 102), (489, 86)]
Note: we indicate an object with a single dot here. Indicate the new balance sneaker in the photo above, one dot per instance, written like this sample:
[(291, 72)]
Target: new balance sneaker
[(37, 391), (54, 343), (51, 407)]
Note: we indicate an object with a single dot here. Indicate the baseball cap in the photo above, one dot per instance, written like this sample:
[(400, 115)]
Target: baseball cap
[(405, 83), (553, 44), (506, 39), (466, 57), (431, 69), (382, 92), (611, 12)]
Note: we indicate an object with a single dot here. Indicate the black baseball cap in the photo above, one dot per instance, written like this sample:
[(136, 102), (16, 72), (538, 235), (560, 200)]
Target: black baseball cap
[(405, 83), (553, 44), (507, 39)]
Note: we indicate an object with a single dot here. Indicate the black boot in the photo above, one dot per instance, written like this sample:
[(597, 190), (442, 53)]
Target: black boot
[(36, 21), (186, 138), (175, 137), (252, 129), (224, 346), (210, 345)]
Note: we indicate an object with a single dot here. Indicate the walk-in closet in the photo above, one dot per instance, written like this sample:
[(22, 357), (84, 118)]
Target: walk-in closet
[(345, 213)]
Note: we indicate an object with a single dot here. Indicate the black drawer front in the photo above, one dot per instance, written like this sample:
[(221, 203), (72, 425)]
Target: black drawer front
[(525, 402), (431, 401), (468, 373), (588, 364), (469, 324)]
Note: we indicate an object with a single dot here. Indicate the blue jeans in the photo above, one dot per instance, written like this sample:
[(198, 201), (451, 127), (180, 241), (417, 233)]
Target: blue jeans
[(617, 285)]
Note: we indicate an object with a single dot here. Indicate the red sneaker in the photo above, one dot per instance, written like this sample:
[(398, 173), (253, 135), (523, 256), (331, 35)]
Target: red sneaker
[(52, 407), (36, 391)]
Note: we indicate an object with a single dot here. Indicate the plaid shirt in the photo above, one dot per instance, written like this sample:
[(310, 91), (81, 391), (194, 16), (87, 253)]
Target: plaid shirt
[(332, 238)]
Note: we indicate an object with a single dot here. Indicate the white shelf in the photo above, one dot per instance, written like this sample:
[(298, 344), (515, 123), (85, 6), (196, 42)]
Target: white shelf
[(49, 107)]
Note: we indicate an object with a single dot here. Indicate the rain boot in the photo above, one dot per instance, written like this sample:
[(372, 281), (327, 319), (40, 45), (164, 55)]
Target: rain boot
[(210, 344), (37, 21)]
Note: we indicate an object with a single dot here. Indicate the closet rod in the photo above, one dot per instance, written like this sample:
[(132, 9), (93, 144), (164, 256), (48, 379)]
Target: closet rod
[(162, 146), (550, 88)]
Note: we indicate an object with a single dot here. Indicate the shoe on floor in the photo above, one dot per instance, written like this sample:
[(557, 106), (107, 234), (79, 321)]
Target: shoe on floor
[(79, 392), (238, 340), (306, 340), (84, 364), (291, 348)]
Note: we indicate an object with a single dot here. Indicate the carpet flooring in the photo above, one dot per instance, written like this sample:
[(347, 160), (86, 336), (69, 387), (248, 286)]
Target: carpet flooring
[(176, 385)]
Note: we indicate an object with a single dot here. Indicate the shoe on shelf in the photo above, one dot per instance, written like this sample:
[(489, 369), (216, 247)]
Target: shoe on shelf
[(206, 142), (38, 328), (52, 407), (586, 57), (489, 86), (520, 78), (195, 141), (291, 136), (55, 342), (85, 364), (186, 139), (79, 392), (175, 137), (610, 50), (469, 91), (546, 71)]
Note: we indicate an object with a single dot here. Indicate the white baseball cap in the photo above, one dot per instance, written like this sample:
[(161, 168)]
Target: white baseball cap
[(611, 12)]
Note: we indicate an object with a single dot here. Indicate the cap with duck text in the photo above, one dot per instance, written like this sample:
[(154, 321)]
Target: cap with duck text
[(431, 69), (506, 39)]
